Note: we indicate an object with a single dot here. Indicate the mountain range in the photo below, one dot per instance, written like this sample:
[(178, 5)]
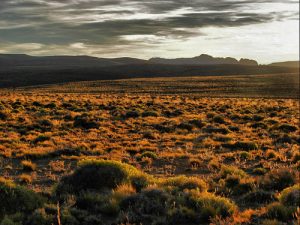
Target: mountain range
[(22, 70)]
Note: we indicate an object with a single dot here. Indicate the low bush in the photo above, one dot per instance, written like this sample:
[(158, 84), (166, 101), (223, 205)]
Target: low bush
[(208, 205), (290, 196), (17, 199), (182, 182), (98, 175), (28, 165), (278, 179)]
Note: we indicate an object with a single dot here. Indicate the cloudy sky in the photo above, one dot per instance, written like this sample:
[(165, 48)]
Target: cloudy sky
[(265, 30)]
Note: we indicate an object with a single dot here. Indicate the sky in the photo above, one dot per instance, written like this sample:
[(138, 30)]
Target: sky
[(264, 30)]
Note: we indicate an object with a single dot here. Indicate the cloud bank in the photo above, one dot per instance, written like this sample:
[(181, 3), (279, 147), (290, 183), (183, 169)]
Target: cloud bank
[(107, 27)]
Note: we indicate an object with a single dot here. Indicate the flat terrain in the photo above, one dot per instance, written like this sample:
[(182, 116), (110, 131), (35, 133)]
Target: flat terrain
[(230, 159), (269, 86)]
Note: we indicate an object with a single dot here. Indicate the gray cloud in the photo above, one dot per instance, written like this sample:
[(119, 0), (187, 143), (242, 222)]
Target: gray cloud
[(107, 22)]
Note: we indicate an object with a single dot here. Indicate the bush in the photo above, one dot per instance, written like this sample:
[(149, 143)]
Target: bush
[(219, 119), (258, 197), (231, 170), (16, 199), (152, 202), (280, 212), (278, 179), (3, 115), (148, 154), (97, 175), (182, 182), (132, 114), (209, 206), (84, 122), (245, 145), (290, 196), (149, 113), (287, 128), (28, 165)]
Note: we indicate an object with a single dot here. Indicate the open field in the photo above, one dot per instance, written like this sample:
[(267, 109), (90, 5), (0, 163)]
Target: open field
[(155, 157), (269, 86)]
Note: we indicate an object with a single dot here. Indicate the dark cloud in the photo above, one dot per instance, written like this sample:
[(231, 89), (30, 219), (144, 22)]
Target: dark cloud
[(106, 22)]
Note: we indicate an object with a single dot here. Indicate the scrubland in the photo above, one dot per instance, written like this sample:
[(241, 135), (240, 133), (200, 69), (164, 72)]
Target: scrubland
[(148, 159)]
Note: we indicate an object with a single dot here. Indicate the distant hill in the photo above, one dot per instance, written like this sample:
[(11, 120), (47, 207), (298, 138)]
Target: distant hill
[(291, 64), (26, 60), (204, 60), (24, 70)]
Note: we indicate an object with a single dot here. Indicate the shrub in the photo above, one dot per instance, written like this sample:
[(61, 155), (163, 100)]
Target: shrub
[(197, 123), (246, 145), (152, 202), (185, 126), (98, 175), (238, 186), (181, 215), (132, 114), (149, 113), (182, 182), (41, 138), (290, 196), (209, 206), (148, 154), (84, 122), (287, 128), (231, 170), (28, 165), (280, 212), (51, 105), (26, 179), (3, 115), (259, 171), (271, 154), (15, 199), (219, 119), (278, 179), (260, 197)]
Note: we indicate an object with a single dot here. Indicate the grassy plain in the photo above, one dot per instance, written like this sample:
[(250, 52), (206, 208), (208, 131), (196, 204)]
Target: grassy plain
[(152, 151)]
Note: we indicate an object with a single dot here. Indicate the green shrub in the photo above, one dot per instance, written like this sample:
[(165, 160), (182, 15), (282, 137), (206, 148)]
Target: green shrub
[(246, 145), (278, 179), (219, 119), (258, 197), (41, 138), (231, 170), (15, 199), (84, 122), (149, 113), (28, 165), (208, 205), (97, 175), (287, 128), (153, 202), (3, 115), (148, 154), (132, 114), (182, 182), (280, 212), (290, 196)]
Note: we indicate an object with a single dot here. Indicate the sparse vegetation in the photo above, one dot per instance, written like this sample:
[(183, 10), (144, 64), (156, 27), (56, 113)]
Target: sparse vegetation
[(150, 159)]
